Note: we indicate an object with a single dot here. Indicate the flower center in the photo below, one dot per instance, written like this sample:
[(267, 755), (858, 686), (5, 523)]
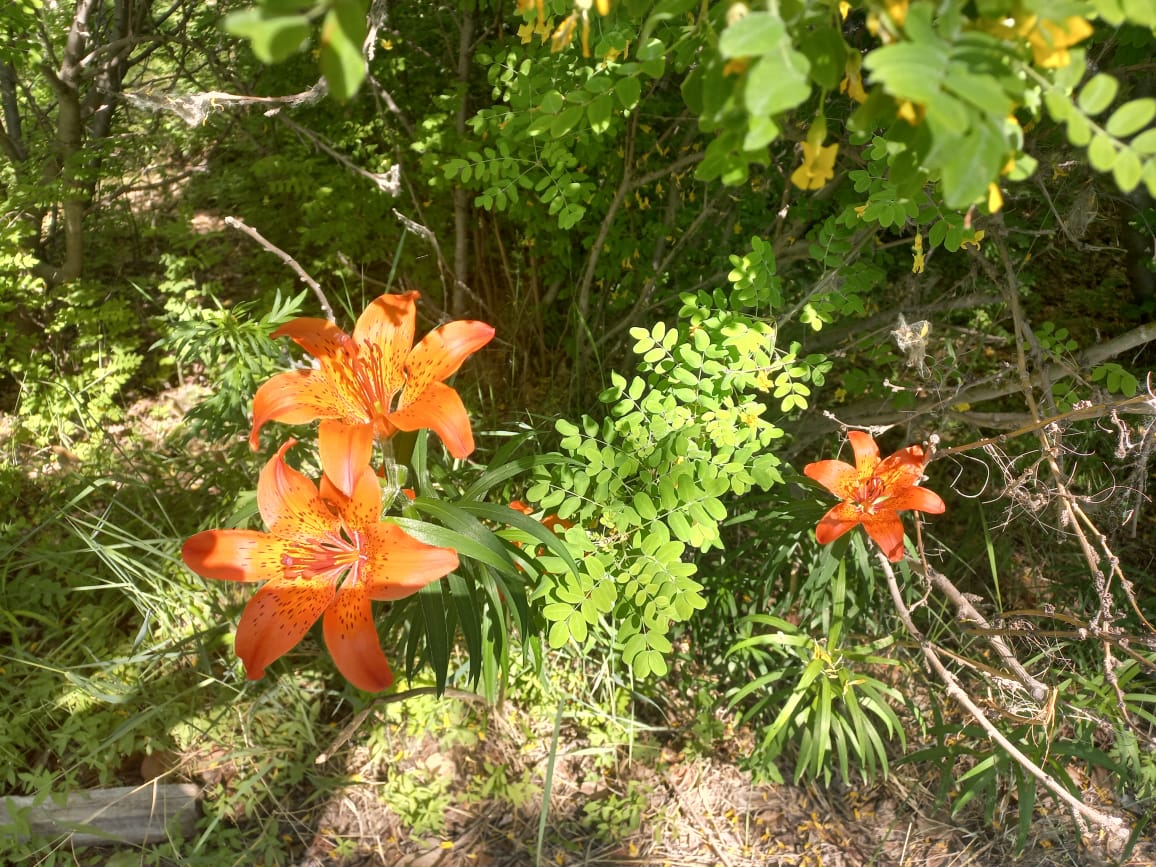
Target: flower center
[(328, 558), (868, 494), (359, 371)]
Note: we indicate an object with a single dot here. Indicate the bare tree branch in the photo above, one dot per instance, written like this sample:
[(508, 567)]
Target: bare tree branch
[(240, 225)]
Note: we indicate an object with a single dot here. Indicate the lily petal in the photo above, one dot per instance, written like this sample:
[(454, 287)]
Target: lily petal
[(439, 408), (918, 500), (866, 451), (289, 502), (235, 555), (838, 520), (293, 397), (398, 565), (440, 353), (345, 451), (905, 467), (353, 642), (887, 530), (837, 477), (319, 337), (384, 336), (277, 618)]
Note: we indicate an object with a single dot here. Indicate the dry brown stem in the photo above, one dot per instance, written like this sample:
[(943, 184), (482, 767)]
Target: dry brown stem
[(1114, 825)]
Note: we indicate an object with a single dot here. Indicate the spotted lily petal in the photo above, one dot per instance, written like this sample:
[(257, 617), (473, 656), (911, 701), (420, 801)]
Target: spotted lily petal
[(866, 450), (289, 502), (440, 353), (319, 337), (353, 642), (345, 451), (384, 337), (293, 397), (235, 555), (887, 531), (838, 520), (916, 499), (277, 618), (837, 477), (398, 565), (439, 408)]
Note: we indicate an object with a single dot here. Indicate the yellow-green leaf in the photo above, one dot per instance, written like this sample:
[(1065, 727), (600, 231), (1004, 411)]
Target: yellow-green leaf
[(1131, 117), (1101, 153), (1098, 94), (1127, 170)]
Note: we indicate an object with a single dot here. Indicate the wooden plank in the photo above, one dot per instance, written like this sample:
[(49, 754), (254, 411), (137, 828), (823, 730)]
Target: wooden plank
[(128, 814)]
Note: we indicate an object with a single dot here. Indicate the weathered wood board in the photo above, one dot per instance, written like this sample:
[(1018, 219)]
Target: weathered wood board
[(128, 814)]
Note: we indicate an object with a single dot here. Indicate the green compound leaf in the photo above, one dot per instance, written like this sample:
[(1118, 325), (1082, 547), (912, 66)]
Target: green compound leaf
[(1101, 153), (754, 34), (1098, 94), (342, 35), (273, 37), (1127, 170), (972, 165), (628, 91), (777, 83), (1131, 117)]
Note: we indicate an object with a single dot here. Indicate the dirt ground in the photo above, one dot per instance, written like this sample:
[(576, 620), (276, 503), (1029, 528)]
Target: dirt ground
[(691, 810)]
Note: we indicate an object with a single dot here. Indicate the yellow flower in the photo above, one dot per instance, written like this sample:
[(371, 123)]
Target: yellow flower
[(897, 10), (852, 83), (917, 263), (994, 198), (818, 166), (1050, 40), (975, 239), (911, 112)]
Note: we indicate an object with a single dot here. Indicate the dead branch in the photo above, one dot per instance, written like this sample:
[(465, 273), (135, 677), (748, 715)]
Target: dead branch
[(1114, 825), (288, 260)]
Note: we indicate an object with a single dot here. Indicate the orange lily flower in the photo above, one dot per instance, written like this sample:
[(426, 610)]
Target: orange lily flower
[(326, 553), (376, 379), (873, 493), (550, 522)]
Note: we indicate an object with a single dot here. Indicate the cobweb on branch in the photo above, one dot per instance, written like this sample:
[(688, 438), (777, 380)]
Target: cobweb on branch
[(195, 108)]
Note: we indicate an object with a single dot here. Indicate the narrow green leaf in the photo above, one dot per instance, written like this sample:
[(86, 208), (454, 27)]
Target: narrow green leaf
[(433, 608), (506, 515)]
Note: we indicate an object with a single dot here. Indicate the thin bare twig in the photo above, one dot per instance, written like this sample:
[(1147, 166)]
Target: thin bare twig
[(1114, 825), (240, 225)]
